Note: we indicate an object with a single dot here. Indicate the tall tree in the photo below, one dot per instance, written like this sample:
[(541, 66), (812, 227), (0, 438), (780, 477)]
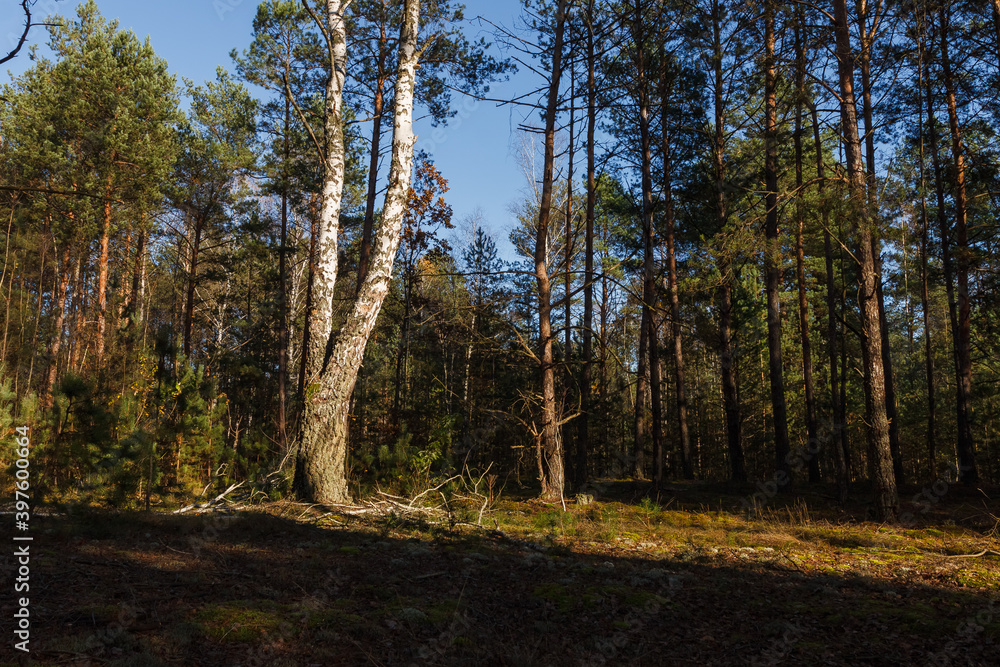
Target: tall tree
[(583, 437), (550, 452), (218, 141), (321, 470), (666, 85), (871, 22), (283, 58), (772, 250), (800, 258), (449, 62), (963, 329), (879, 453), (726, 62)]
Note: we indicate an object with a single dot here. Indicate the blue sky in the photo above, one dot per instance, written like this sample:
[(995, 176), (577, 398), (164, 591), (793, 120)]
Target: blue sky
[(475, 152)]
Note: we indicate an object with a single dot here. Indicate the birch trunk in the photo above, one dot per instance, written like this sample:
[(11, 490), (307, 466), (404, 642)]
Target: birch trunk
[(321, 314), (321, 464)]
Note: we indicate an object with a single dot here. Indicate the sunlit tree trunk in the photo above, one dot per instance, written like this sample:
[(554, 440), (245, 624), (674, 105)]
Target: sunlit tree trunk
[(102, 274), (57, 329), (550, 454), (880, 456), (321, 464), (193, 259), (334, 161)]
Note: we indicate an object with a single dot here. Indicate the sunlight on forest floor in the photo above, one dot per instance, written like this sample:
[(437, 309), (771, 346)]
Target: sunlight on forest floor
[(683, 579)]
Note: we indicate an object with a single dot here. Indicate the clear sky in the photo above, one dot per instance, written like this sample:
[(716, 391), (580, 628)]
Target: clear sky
[(475, 152)]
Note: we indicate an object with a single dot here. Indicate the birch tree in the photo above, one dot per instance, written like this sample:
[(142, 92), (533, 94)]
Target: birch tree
[(335, 357)]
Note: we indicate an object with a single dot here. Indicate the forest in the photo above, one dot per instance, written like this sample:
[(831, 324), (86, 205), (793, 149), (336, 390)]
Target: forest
[(716, 277), (754, 271)]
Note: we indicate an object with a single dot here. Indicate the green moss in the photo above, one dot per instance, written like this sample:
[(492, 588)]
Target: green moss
[(557, 594), (241, 621)]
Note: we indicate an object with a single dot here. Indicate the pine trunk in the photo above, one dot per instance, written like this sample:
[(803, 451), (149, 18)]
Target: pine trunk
[(968, 473), (673, 287), (550, 444), (772, 258), (57, 329), (191, 285), (283, 291), (102, 275), (813, 445), (879, 453), (924, 277), (836, 406), (734, 420), (583, 438)]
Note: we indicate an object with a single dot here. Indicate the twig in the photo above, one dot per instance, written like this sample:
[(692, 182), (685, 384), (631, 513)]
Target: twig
[(978, 555), (205, 506), (423, 493)]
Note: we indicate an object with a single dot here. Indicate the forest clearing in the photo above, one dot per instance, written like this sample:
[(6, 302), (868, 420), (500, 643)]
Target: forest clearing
[(687, 579), (713, 380)]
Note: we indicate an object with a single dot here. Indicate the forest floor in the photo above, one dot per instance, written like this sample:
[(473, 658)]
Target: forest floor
[(690, 577)]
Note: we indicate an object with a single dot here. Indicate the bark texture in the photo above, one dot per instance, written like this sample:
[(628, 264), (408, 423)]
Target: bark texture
[(334, 161), (550, 456), (321, 465), (879, 454)]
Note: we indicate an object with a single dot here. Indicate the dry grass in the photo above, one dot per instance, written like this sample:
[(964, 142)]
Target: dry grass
[(686, 578)]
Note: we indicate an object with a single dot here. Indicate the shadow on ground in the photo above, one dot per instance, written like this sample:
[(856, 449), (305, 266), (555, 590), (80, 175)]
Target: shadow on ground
[(258, 589)]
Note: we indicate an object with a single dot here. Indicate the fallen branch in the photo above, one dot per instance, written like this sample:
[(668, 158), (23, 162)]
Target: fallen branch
[(201, 507)]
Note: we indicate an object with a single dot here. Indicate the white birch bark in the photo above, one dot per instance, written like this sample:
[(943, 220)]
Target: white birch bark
[(321, 468), (334, 161)]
